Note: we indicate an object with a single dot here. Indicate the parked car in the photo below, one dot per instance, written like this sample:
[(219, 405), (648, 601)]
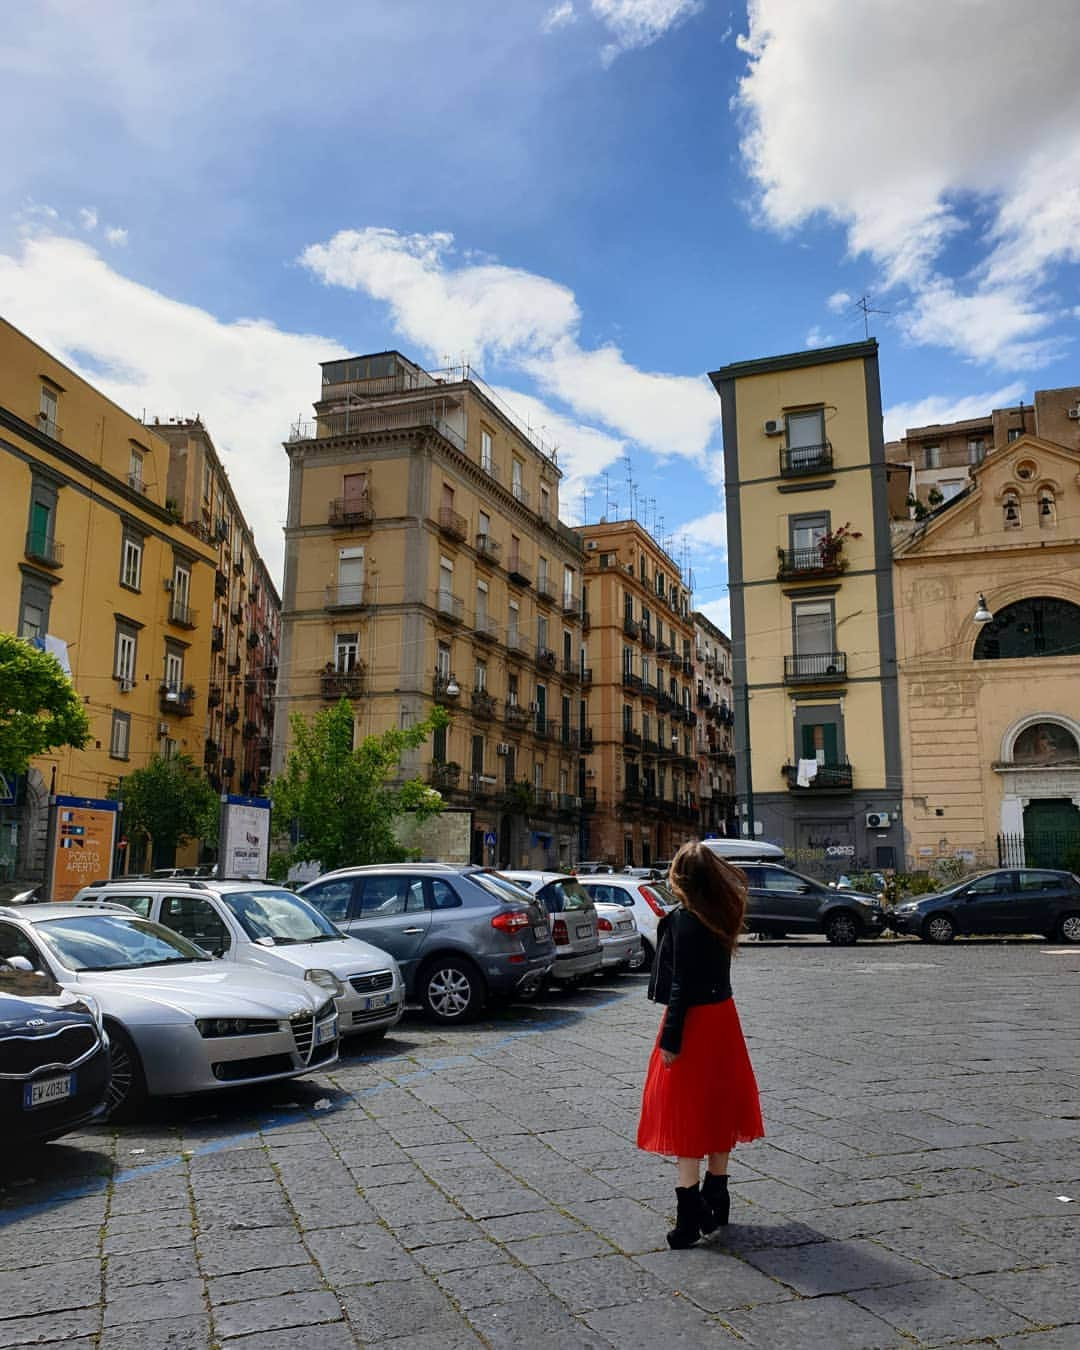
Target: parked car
[(460, 934), (273, 929), (739, 851), (780, 901), (54, 1057), (585, 868), (178, 1021), (645, 873), (647, 901), (1006, 900), (620, 941), (573, 919)]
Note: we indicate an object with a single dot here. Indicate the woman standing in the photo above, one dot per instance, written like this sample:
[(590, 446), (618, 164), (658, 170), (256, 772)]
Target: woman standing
[(700, 1097)]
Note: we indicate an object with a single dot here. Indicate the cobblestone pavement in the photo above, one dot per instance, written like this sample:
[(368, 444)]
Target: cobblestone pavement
[(479, 1187)]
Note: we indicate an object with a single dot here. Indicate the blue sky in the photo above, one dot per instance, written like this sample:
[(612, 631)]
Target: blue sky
[(593, 201)]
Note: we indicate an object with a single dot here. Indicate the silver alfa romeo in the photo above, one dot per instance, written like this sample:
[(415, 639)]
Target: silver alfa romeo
[(178, 1021)]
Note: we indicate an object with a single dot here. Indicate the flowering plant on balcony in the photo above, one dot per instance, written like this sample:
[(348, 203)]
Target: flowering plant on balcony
[(831, 545)]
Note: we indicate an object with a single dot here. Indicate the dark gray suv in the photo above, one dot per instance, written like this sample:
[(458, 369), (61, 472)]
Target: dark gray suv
[(460, 935), (781, 901)]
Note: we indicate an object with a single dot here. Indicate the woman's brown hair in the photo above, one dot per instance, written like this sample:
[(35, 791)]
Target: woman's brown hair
[(711, 889)]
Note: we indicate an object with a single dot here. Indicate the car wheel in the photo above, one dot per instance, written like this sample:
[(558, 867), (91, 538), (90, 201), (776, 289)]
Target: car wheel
[(640, 961), (127, 1086), (842, 929), (939, 928), (648, 956), (450, 989), (1069, 928)]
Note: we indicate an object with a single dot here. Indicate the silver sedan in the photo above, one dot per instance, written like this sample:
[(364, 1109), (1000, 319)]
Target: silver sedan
[(178, 1021), (619, 938)]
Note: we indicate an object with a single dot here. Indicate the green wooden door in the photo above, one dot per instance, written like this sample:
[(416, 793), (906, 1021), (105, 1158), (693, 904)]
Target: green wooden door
[(1051, 830)]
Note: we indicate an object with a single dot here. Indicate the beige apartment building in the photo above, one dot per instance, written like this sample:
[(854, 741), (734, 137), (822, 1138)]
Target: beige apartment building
[(426, 563), (641, 705), (245, 613), (715, 733)]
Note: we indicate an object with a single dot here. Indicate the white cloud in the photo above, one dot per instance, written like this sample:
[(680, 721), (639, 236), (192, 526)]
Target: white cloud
[(838, 301), (248, 379), (718, 611), (529, 322), (639, 23), (890, 126), (706, 535), (88, 217), (559, 16), (818, 338), (996, 325), (116, 236), (938, 408)]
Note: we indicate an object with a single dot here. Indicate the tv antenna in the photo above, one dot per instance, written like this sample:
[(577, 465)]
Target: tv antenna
[(863, 304)]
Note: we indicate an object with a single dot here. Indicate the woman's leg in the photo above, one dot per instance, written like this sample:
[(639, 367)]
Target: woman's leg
[(716, 1203), (718, 1164), (689, 1170)]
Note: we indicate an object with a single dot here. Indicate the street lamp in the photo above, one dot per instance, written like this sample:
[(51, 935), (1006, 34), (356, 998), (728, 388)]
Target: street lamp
[(982, 613), (452, 687)]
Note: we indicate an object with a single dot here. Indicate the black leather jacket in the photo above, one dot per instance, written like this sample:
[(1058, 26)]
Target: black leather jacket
[(692, 966)]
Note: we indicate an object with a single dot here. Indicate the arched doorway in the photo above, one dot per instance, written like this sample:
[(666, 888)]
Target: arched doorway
[(1051, 832), (1040, 804)]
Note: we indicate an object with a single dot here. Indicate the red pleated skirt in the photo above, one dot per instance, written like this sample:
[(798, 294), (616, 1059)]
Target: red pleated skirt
[(707, 1101)]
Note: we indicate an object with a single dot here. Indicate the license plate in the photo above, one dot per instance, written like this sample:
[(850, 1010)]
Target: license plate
[(541, 931), (584, 930), (377, 1001), (326, 1032), (48, 1090), (624, 927)]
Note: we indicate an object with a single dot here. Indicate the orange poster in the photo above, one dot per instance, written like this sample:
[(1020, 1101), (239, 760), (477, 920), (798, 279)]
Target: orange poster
[(82, 835)]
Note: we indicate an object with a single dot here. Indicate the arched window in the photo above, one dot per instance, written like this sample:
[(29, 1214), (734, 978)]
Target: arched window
[(1045, 743), (1038, 626)]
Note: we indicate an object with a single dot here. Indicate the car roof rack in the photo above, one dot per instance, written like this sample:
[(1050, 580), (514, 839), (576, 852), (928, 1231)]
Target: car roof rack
[(196, 883)]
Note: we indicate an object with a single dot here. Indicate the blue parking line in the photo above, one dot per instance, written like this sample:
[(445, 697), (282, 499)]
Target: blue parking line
[(278, 1119)]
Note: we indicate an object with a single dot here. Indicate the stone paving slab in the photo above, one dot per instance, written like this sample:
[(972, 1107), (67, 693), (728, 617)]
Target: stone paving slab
[(479, 1186)]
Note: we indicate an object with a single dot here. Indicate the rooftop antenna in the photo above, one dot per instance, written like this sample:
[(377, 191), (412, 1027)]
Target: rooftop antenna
[(631, 487), (863, 304)]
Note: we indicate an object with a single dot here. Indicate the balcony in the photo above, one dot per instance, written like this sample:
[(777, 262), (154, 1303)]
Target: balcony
[(350, 513), (517, 643), (488, 548), (725, 715), (211, 751), (568, 736), (449, 608), (797, 460), (136, 484), (249, 730), (632, 797), (217, 638), (176, 701), (453, 525), (253, 640), (42, 549), (50, 427), (586, 674), (631, 738), (815, 668), (703, 699), (723, 759), (571, 604), (214, 696), (444, 776), (586, 620), (485, 629), (649, 691), (545, 590), (586, 734), (648, 639), (796, 564), (482, 704), (571, 670), (335, 684), (664, 702), (519, 493), (489, 467), (687, 666), (232, 716), (543, 727), (233, 666), (238, 565), (664, 652), (545, 658), (518, 572), (631, 628), (632, 681), (588, 799), (515, 715), (237, 614), (649, 746), (345, 596), (182, 615), (568, 804), (440, 690), (834, 778), (228, 767), (221, 583)]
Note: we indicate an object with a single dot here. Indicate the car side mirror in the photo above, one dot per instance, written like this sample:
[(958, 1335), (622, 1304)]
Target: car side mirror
[(21, 963)]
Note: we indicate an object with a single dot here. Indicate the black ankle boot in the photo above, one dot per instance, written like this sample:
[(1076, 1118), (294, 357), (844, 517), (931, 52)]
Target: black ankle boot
[(715, 1203), (687, 1228)]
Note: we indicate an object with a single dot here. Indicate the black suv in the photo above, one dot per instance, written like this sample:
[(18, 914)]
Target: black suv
[(1007, 900), (54, 1058), (781, 901)]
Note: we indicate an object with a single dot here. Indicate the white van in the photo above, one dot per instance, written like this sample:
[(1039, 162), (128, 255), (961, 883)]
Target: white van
[(744, 850)]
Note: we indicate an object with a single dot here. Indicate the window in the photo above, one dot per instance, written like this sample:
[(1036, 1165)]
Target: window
[(516, 475), (627, 717), (1039, 626), (951, 487), (346, 652), (806, 532), (196, 919), (1041, 881), (485, 450), (813, 628), (174, 669), (1045, 743), (515, 552), (542, 574), (513, 623), (628, 606), (350, 576), (1014, 434), (34, 603), (932, 457), (628, 850), (131, 562), (646, 671), (512, 690), (443, 895), (820, 741), (438, 745), (568, 586), (646, 619), (567, 650), (806, 438), (446, 580), (627, 660), (646, 727), (642, 566), (545, 504), (442, 660), (480, 676), (355, 489), (47, 409), (332, 897), (135, 469), (120, 735), (542, 631), (181, 592), (124, 656), (976, 450), (481, 604), (383, 896), (483, 525), (207, 479), (477, 756)]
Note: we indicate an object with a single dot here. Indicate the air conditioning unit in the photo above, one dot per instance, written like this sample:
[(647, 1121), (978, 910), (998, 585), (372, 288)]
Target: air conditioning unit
[(774, 426), (126, 686), (878, 820), (169, 583), (591, 545), (1074, 413), (502, 748)]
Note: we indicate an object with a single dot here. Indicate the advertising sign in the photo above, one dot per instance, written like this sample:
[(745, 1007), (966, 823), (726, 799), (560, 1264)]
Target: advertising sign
[(245, 838), (82, 831)]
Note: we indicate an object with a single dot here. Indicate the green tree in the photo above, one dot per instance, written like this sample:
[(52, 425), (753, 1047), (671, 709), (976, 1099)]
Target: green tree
[(169, 802), (339, 798), (39, 708)]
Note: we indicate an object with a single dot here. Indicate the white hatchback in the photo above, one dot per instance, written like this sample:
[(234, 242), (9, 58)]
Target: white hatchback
[(648, 901), (255, 924)]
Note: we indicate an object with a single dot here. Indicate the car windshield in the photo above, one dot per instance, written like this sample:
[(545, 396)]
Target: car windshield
[(569, 891), (282, 917), (116, 942), (500, 887)]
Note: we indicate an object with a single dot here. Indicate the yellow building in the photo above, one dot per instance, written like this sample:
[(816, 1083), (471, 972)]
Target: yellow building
[(988, 693), (426, 563), (641, 715), (100, 572), (817, 722)]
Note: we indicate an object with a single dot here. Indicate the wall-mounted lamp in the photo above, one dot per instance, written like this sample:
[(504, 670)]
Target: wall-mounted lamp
[(982, 613), (452, 687)]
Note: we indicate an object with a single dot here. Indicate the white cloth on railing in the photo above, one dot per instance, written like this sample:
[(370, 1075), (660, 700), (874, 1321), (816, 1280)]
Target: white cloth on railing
[(807, 772)]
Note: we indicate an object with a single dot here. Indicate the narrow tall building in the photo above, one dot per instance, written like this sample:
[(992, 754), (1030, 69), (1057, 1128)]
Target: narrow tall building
[(817, 719), (715, 743), (426, 563)]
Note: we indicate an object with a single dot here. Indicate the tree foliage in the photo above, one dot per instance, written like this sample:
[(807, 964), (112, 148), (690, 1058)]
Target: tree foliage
[(169, 802), (39, 708), (339, 799)]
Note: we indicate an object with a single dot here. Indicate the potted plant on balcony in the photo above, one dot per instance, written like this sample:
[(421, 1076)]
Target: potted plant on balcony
[(831, 545)]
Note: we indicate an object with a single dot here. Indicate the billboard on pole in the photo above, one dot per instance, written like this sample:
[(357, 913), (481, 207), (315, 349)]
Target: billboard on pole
[(244, 849), (82, 832)]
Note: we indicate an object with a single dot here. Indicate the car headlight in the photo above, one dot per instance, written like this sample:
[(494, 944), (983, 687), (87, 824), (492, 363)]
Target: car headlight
[(233, 1026), (905, 909), (328, 1009), (93, 1007), (325, 979)]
